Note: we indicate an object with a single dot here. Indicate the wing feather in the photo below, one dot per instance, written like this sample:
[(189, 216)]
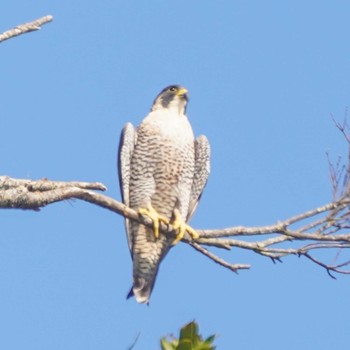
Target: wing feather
[(127, 143), (201, 172)]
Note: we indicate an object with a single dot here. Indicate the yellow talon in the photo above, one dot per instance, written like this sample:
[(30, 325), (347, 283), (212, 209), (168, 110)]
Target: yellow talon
[(155, 217), (181, 227)]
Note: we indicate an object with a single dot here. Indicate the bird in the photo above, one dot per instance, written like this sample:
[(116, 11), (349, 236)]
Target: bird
[(163, 170)]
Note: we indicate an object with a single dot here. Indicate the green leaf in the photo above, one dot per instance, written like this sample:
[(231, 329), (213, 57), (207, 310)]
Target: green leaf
[(189, 340), (207, 344), (166, 345), (189, 336)]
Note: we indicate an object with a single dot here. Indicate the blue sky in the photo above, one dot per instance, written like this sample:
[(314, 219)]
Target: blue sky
[(264, 78)]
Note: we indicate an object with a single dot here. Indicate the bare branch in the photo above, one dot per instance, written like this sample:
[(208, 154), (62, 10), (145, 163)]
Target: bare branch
[(322, 233), (25, 28)]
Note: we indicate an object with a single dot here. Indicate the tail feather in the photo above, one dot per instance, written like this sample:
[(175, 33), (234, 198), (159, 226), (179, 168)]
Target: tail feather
[(130, 294), (141, 290), (147, 255)]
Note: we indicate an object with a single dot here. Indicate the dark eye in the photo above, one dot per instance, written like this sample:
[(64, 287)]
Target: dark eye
[(172, 89)]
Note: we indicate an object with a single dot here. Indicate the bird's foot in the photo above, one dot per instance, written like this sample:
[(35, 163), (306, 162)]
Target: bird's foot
[(181, 227), (155, 217)]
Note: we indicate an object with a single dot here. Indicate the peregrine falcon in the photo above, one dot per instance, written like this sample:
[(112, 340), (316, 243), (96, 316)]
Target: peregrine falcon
[(162, 173)]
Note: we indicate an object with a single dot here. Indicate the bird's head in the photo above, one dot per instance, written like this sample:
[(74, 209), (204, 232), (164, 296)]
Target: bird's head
[(174, 97)]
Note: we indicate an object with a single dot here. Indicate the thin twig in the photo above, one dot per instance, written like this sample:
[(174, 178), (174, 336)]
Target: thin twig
[(215, 258), (328, 268)]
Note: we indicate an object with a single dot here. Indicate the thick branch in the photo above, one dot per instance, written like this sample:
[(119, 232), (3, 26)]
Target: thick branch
[(25, 28)]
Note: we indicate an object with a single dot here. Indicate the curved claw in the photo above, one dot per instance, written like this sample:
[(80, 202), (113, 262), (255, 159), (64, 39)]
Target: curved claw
[(181, 227), (155, 217)]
